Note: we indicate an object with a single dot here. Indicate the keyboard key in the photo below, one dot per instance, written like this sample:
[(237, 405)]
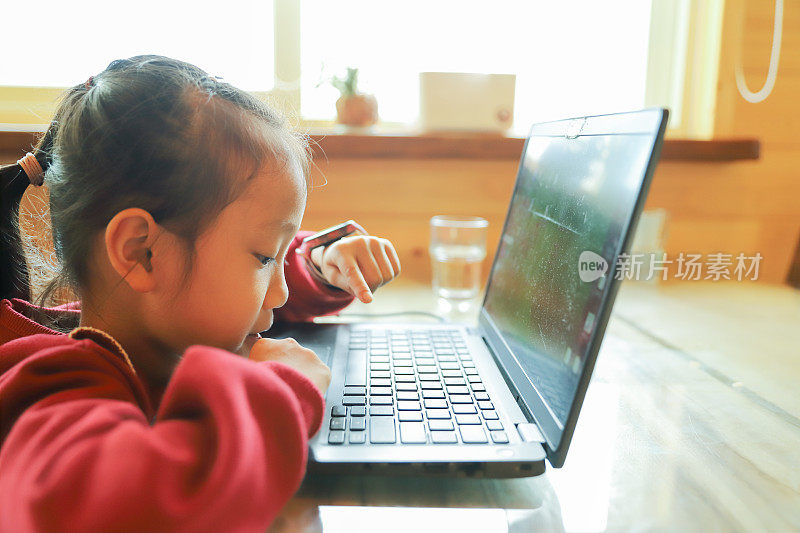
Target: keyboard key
[(408, 406), (407, 395), (401, 357), (403, 371), (381, 430), (380, 391), (444, 437), (358, 410), (358, 437), (427, 369), (336, 437), (358, 424), (435, 404), (499, 437), (356, 368), (464, 409), (338, 410), (471, 371), (355, 391), (378, 352), (406, 387), (380, 374), (478, 387), (381, 410), (379, 358), (482, 396), (463, 420), (447, 358), (354, 400), (454, 381), (460, 398), (451, 373), (380, 382), (457, 390), (413, 433), (430, 385), (485, 405), (472, 434), (474, 379), (409, 416), (405, 379), (337, 423), (468, 364), (440, 425), (437, 413), (494, 425), (403, 364), (432, 378), (490, 415), (446, 365), (379, 366), (430, 393), (381, 400)]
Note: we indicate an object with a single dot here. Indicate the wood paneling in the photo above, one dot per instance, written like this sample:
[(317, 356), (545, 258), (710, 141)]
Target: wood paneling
[(762, 196)]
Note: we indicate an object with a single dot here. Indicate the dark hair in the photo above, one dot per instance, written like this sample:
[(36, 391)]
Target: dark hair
[(154, 133)]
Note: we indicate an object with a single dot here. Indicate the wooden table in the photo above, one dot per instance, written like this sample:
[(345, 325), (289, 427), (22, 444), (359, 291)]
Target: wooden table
[(692, 422)]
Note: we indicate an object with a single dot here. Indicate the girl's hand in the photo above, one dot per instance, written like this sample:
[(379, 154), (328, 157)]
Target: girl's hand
[(289, 352), (359, 264)]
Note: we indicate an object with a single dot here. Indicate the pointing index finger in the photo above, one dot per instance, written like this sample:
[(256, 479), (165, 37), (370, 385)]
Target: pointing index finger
[(356, 281)]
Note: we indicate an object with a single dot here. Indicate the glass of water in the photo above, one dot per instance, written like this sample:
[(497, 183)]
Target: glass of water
[(458, 246)]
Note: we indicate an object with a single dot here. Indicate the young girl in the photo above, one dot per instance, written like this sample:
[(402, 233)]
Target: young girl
[(175, 202)]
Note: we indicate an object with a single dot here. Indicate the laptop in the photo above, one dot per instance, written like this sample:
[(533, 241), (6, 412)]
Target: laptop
[(498, 399)]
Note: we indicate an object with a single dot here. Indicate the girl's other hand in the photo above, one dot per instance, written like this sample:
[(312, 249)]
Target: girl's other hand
[(359, 264), (289, 352)]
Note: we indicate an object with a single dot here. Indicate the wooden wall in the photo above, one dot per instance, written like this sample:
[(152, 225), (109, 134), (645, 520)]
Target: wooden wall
[(753, 205)]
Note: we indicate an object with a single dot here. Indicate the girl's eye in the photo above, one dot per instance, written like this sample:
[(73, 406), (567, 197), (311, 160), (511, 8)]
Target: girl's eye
[(263, 259)]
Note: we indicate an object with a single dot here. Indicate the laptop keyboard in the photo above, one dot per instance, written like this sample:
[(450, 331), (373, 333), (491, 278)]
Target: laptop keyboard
[(413, 386)]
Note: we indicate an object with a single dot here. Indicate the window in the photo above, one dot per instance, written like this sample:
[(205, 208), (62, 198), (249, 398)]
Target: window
[(570, 58), (79, 38)]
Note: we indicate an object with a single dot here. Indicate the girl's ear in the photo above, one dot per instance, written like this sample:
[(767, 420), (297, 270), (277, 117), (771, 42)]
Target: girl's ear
[(129, 241)]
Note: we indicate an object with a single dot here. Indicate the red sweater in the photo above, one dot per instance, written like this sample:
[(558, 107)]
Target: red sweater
[(83, 448)]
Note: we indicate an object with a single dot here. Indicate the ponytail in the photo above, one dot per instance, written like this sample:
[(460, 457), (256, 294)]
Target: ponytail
[(14, 180)]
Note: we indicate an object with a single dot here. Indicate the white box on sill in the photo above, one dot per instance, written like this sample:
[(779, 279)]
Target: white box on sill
[(461, 101)]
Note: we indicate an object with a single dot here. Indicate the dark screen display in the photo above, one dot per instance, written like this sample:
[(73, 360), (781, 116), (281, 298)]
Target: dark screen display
[(573, 195)]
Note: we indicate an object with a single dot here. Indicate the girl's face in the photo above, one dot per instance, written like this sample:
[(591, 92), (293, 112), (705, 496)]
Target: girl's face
[(237, 277)]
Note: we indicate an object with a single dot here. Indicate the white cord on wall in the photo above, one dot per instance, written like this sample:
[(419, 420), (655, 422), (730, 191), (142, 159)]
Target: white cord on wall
[(741, 83)]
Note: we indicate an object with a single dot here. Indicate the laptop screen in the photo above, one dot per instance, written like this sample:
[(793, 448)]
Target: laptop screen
[(576, 193)]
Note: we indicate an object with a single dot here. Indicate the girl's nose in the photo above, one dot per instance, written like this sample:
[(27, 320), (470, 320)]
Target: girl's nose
[(278, 291)]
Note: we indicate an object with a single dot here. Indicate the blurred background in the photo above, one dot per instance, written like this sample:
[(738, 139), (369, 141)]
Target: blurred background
[(726, 183)]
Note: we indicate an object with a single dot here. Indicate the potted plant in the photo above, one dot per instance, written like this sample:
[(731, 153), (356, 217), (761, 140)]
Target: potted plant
[(354, 108)]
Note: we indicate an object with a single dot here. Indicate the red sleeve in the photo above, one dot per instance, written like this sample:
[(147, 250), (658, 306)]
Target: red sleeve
[(226, 451), (307, 297)]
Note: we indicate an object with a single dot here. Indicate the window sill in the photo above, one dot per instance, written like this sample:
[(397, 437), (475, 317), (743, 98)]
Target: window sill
[(335, 144)]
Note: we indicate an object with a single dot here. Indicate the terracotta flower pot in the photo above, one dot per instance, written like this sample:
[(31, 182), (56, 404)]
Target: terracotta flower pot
[(357, 110)]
